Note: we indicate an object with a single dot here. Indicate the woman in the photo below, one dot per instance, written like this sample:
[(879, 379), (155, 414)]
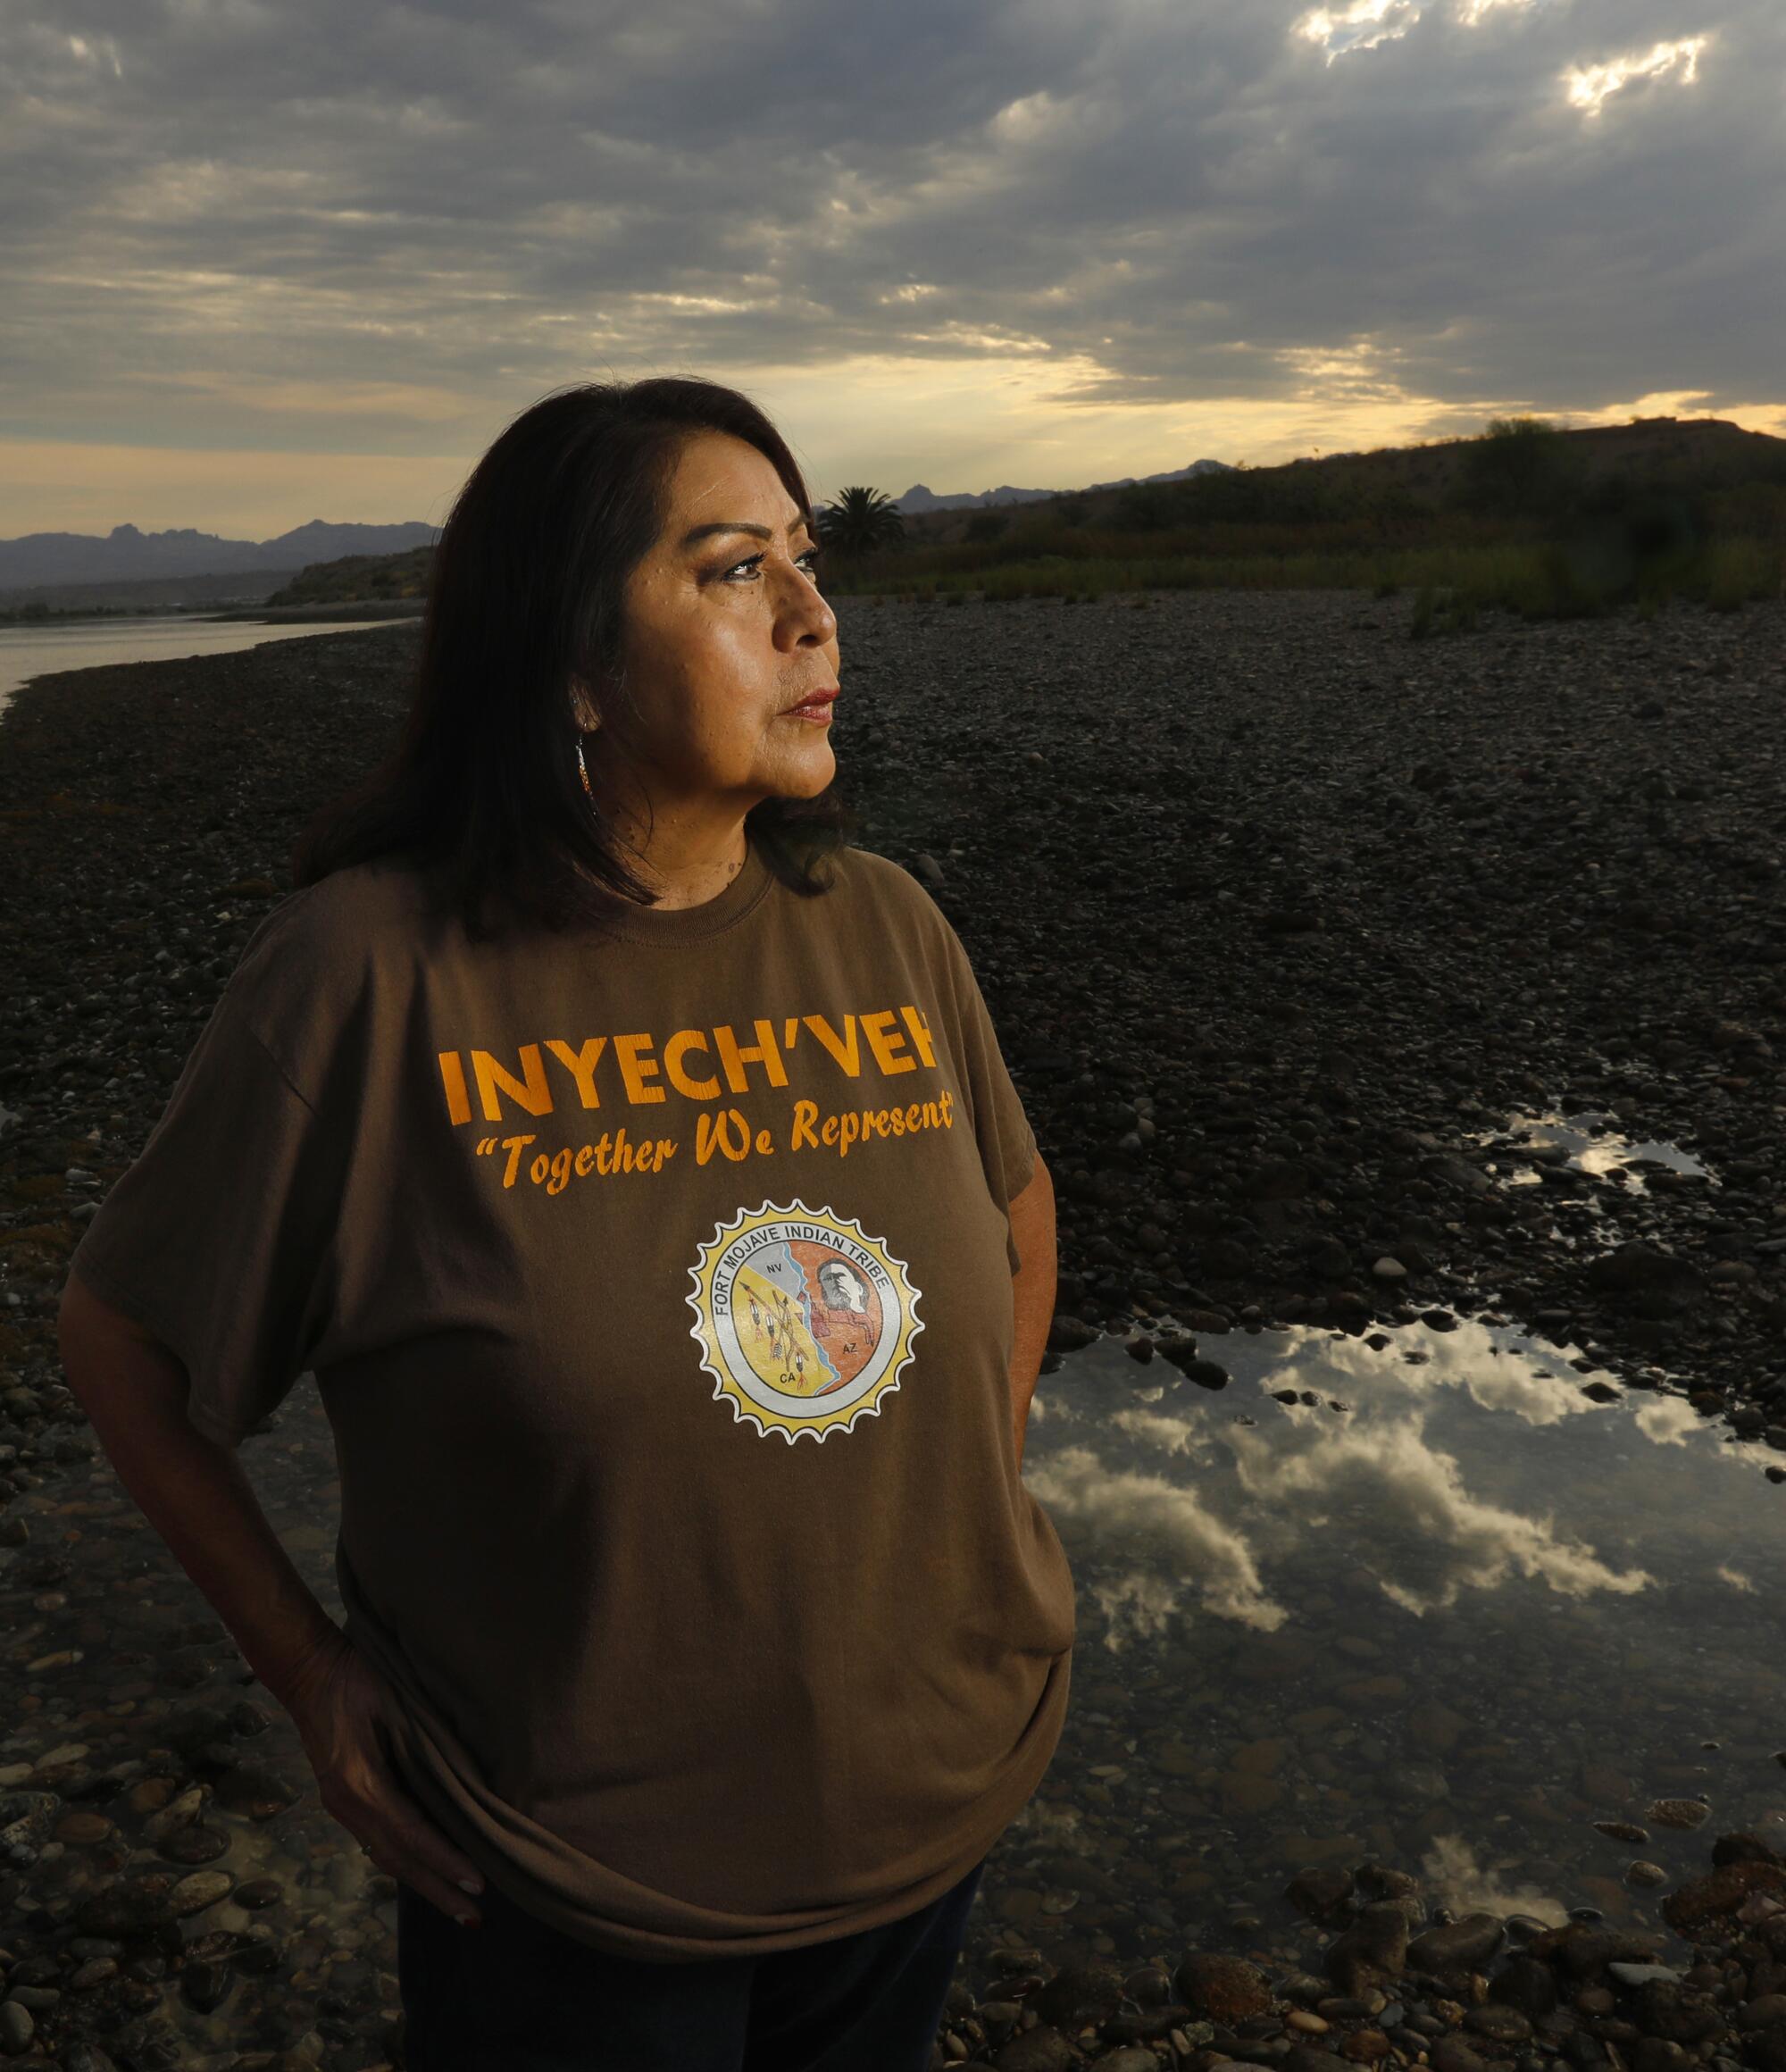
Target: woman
[(708, 1646)]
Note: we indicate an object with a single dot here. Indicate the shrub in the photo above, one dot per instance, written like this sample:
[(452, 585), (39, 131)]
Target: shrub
[(1520, 467)]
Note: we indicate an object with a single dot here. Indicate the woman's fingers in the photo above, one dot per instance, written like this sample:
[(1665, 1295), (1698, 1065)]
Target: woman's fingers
[(400, 1838), (408, 1845), (340, 1716)]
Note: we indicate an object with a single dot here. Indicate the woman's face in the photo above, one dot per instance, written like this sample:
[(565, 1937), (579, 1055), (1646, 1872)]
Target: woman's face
[(725, 633)]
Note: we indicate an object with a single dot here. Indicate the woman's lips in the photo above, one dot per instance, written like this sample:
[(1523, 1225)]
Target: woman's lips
[(817, 708)]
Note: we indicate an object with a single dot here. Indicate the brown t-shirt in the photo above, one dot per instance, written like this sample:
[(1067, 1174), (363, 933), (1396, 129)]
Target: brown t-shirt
[(656, 1283)]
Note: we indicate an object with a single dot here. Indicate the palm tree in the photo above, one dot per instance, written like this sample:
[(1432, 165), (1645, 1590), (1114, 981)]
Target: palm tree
[(859, 521)]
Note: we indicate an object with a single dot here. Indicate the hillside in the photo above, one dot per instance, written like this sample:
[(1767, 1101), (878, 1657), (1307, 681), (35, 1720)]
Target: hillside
[(1417, 484), (357, 578), (1710, 452)]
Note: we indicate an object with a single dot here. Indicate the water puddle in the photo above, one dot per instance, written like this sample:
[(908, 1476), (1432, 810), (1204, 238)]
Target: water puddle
[(1441, 1606), (1584, 1142), (1438, 1605)]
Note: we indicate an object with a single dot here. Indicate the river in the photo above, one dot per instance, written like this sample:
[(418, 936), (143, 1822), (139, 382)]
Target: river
[(40, 650)]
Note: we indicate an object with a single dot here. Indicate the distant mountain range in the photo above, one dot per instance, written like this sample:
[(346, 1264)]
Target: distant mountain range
[(919, 499), (124, 554)]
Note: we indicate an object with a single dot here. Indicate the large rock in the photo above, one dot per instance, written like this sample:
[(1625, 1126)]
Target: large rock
[(1641, 1275), (1525, 1983), (1080, 1997), (1741, 1847), (1457, 1946), (1642, 1973), (1372, 1952), (1453, 2054), (1307, 2057), (1652, 2054), (1583, 1951), (1318, 1893), (1037, 2049), (1678, 2014), (1498, 2024), (1719, 1893), (1226, 1989), (1070, 1333)]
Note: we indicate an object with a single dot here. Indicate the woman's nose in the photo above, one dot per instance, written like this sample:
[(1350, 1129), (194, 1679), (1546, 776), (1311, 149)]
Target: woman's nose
[(805, 609)]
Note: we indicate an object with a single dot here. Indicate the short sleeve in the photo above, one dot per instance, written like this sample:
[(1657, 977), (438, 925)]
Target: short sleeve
[(218, 1236), (1008, 1143)]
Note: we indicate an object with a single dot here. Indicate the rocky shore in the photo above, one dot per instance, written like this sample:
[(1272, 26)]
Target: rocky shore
[(1281, 916), (1401, 1986)]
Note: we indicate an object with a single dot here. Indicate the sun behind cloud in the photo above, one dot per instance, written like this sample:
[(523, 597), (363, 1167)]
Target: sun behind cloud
[(1592, 85)]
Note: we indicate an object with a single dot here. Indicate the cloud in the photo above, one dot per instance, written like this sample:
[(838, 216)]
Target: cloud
[(1472, 12), (1431, 1539), (1146, 1548), (1165, 1547), (1360, 25), (1123, 236), (1465, 1473), (1591, 87), (1363, 24), (103, 50)]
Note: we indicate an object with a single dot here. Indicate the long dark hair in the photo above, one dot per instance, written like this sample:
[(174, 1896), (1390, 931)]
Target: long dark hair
[(482, 792)]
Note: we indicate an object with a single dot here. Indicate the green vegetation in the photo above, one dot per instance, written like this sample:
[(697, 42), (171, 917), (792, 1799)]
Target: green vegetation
[(860, 523), (1525, 519), (35, 612), (1536, 582), (358, 578), (1520, 466)]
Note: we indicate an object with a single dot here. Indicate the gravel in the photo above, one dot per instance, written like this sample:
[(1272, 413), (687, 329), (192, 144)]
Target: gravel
[(1280, 913), (1281, 916)]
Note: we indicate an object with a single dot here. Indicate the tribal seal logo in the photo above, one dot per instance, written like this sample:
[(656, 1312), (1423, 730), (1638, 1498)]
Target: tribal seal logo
[(803, 1321)]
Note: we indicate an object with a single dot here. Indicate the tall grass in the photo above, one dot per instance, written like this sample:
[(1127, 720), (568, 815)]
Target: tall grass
[(1537, 579), (1577, 550)]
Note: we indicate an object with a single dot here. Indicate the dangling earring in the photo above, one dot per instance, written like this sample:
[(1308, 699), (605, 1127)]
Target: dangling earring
[(582, 767)]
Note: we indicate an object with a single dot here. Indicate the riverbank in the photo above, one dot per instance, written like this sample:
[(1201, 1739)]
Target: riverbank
[(368, 612), (1396, 1987), (1283, 916), (1315, 905), (1279, 915)]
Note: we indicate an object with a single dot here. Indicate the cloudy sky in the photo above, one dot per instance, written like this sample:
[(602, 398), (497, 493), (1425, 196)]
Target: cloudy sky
[(265, 261)]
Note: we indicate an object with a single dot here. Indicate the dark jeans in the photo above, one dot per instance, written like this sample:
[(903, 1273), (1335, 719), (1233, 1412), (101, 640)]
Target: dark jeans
[(518, 1995)]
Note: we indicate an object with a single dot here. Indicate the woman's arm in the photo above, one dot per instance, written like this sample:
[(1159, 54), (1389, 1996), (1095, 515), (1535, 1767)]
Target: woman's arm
[(191, 1490), (1033, 1230)]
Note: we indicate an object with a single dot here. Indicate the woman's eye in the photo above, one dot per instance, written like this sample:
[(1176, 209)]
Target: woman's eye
[(811, 557)]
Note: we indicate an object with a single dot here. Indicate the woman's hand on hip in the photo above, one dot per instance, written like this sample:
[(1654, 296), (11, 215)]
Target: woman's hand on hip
[(340, 1709)]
